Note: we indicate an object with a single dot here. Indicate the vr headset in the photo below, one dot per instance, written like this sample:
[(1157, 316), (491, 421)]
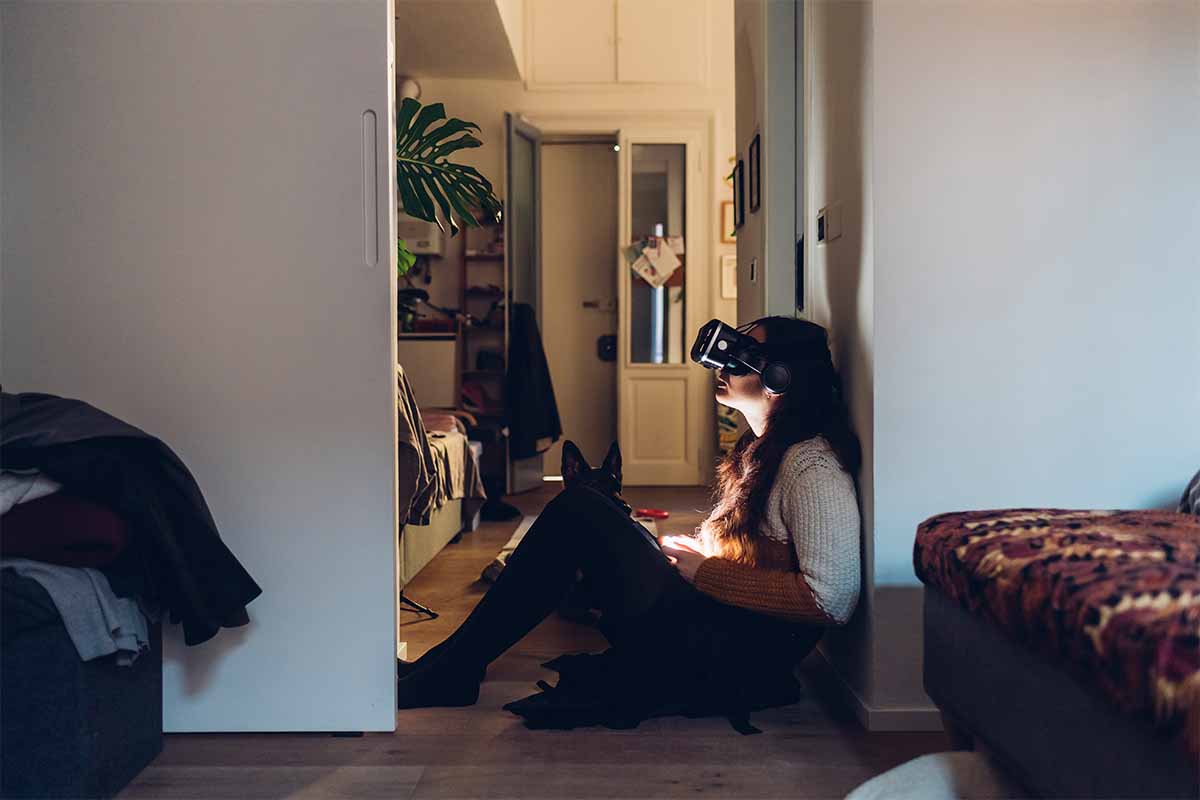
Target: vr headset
[(721, 347)]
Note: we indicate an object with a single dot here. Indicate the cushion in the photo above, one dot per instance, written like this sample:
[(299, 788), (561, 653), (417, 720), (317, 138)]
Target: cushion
[(63, 529), (1112, 595)]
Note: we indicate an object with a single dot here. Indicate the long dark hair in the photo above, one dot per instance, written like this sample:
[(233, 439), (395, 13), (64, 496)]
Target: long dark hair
[(813, 406)]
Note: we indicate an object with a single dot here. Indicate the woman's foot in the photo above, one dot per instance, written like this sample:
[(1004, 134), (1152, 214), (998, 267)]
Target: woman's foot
[(429, 682), (424, 690)]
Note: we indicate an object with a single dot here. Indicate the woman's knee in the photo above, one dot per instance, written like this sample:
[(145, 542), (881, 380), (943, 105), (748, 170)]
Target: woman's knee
[(586, 503)]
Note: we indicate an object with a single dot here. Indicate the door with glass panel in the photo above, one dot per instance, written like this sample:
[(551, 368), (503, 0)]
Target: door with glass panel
[(663, 400)]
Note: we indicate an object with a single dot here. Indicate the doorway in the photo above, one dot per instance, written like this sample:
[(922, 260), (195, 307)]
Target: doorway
[(648, 397), (578, 289)]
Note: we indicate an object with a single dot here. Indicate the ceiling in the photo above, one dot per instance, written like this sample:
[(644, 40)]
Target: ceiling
[(453, 39)]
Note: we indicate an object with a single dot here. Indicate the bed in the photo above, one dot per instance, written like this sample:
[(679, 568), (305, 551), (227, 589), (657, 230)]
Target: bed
[(1068, 644), (439, 486)]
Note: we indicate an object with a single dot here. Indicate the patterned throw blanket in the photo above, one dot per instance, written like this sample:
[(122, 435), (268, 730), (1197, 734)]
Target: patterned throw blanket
[(1113, 595)]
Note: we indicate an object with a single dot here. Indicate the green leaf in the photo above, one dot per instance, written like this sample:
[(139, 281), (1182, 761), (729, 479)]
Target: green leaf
[(408, 196), (454, 145), (440, 197), (408, 108), (431, 186), (425, 117), (404, 259), (419, 189)]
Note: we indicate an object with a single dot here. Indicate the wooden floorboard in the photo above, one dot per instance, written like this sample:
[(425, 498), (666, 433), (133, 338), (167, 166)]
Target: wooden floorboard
[(812, 749)]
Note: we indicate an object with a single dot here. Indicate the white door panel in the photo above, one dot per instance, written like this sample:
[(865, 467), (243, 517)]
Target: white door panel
[(665, 416), (189, 244)]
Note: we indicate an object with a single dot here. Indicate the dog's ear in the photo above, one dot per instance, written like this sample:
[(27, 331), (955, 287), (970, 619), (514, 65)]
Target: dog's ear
[(612, 461), (574, 465)]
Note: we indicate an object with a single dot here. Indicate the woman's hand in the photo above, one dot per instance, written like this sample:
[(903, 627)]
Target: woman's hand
[(684, 552)]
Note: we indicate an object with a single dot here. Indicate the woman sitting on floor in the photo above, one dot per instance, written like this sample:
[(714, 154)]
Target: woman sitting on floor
[(713, 623)]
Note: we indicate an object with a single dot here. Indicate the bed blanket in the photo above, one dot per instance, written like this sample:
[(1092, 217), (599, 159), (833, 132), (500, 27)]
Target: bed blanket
[(1114, 596)]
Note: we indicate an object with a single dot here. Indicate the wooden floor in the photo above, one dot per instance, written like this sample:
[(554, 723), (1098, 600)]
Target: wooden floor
[(810, 749)]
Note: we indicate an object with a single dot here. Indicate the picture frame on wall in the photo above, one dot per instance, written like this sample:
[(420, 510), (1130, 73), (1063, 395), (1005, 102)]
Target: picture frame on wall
[(728, 277), (728, 232), (755, 175), (739, 195)]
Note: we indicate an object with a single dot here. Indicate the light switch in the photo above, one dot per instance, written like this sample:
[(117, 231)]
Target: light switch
[(835, 222), (829, 223)]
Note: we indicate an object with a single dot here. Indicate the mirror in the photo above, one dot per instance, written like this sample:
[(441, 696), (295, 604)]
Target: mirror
[(656, 257)]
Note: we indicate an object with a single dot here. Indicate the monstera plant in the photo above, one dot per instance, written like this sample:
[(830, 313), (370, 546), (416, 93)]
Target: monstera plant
[(431, 186)]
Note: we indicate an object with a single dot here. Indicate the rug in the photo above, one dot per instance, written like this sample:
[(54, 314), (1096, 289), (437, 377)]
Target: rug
[(963, 775), (492, 571)]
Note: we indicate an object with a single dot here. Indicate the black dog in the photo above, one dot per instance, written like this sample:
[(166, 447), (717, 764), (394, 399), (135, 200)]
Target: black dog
[(605, 479)]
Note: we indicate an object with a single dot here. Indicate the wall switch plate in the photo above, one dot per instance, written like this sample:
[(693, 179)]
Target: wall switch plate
[(829, 223)]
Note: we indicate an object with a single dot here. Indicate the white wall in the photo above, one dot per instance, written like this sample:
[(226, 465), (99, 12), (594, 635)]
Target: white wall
[(1032, 232), (841, 278), (765, 53)]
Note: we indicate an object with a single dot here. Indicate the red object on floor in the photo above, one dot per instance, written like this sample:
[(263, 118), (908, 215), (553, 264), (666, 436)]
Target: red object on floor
[(653, 513), (62, 529)]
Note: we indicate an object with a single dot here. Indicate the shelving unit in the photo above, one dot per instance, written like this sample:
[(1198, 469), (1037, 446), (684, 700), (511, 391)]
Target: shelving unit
[(481, 266), (428, 336)]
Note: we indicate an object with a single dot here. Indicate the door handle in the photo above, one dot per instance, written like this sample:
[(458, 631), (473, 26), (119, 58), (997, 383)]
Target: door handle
[(601, 305), (606, 347), (370, 188)]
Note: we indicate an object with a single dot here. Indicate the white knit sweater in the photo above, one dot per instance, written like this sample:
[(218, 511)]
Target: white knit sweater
[(814, 506)]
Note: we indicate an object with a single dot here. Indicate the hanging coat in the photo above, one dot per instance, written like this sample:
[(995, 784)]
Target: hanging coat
[(532, 413), (186, 567)]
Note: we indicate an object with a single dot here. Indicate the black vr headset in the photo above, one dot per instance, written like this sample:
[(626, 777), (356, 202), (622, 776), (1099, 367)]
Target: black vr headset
[(721, 347)]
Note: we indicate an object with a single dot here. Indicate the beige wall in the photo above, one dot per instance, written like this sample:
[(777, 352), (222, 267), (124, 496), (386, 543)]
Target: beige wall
[(485, 103)]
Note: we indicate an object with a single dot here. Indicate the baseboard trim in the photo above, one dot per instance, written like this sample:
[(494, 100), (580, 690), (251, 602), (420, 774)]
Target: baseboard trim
[(883, 718)]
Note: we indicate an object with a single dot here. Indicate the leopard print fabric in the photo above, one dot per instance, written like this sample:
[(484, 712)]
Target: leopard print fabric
[(1113, 595)]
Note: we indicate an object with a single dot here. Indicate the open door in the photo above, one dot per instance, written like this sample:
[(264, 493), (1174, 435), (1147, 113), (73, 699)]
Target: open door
[(664, 416), (522, 237)]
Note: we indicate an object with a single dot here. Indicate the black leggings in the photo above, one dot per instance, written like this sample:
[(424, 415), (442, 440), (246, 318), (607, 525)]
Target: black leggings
[(645, 603)]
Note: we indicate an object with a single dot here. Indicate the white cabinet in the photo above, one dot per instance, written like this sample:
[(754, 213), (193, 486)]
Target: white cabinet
[(605, 42), (573, 42), (662, 41), (199, 237)]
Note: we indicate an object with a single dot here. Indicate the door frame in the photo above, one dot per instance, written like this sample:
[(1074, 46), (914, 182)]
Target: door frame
[(697, 131)]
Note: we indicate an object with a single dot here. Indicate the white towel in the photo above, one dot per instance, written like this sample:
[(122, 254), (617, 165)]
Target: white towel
[(21, 487)]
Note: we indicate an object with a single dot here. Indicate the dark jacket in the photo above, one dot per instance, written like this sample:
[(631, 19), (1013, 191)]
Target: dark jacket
[(532, 412), (185, 566)]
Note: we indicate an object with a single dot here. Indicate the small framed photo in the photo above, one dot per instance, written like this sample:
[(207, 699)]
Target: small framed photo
[(739, 194), (755, 175), (728, 234), (729, 277)]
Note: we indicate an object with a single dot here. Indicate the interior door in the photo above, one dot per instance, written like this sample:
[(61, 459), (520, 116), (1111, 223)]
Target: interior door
[(664, 403), (199, 237), (523, 249), (579, 246)]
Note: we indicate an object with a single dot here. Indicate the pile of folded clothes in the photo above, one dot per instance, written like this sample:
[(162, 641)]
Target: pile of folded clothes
[(103, 534), (72, 548)]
